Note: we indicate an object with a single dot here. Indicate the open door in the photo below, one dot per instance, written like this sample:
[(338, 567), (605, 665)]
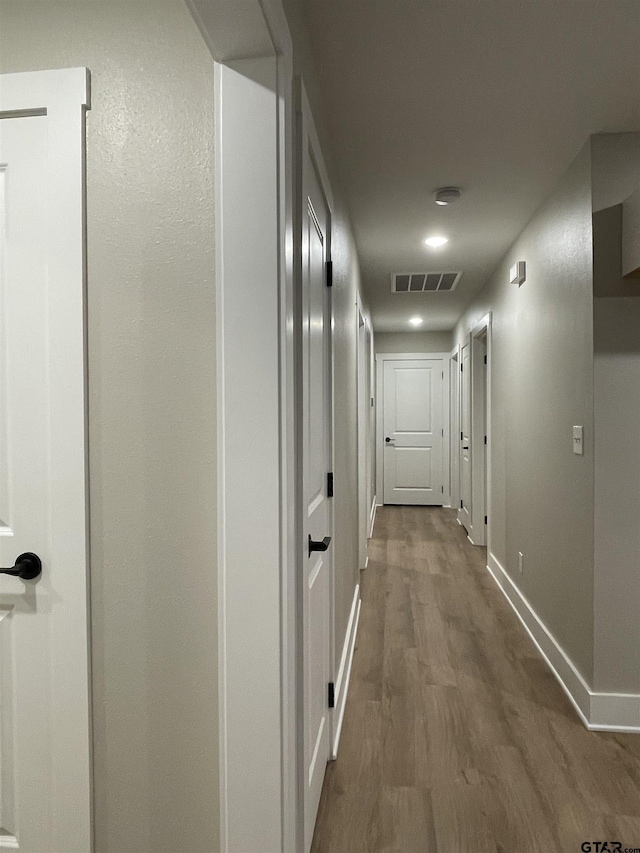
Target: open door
[(44, 677), (317, 512)]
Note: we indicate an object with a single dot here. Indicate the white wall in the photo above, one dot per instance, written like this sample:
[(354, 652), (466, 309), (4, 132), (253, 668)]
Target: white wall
[(414, 342), (542, 384), (617, 491), (152, 435)]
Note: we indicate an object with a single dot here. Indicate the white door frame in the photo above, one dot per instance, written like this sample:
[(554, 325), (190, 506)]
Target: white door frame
[(257, 608), (381, 357), (63, 96), (480, 398), (454, 445)]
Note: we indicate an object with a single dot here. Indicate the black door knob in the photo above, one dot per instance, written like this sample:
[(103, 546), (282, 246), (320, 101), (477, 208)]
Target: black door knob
[(319, 546), (28, 566), (387, 439)]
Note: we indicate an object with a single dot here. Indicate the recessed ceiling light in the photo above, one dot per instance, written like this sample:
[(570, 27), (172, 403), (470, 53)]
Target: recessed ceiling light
[(447, 195), (416, 321), (435, 242)]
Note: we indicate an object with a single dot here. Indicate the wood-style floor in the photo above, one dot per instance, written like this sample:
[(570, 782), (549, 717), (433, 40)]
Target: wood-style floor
[(456, 736)]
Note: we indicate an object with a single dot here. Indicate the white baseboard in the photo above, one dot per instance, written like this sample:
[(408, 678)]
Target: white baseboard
[(598, 711), (344, 673), (372, 516)]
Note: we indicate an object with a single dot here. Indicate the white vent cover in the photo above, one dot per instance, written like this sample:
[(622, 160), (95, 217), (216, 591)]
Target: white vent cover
[(424, 282)]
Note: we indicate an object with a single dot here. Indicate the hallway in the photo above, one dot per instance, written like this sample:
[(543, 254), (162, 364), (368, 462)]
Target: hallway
[(457, 738)]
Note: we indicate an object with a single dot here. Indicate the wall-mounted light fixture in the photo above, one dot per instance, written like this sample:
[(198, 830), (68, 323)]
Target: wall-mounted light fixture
[(518, 274)]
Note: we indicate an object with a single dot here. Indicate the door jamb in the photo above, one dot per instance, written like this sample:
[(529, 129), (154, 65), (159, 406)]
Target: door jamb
[(381, 357)]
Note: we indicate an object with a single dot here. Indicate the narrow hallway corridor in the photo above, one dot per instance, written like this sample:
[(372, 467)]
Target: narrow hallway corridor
[(456, 737)]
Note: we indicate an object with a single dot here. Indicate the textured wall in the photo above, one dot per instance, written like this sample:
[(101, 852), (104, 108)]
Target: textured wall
[(542, 384), (151, 408), (414, 342)]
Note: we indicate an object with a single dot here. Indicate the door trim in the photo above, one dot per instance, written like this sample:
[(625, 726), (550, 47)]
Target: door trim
[(381, 357), (257, 668), (63, 96)]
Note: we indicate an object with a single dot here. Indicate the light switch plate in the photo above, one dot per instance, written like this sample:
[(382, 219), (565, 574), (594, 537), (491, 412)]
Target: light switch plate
[(578, 440)]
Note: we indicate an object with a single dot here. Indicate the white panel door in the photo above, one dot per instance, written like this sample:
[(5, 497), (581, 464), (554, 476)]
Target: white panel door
[(44, 696), (413, 432), (465, 437), (318, 550)]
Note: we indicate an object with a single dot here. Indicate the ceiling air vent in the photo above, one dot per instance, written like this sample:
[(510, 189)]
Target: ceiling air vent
[(424, 282)]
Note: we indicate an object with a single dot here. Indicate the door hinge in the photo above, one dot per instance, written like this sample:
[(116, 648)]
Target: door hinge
[(461, 436), (485, 439), (485, 359), (442, 489), (372, 403), (442, 431), (329, 273), (330, 485), (461, 368), (460, 504), (331, 695), (485, 519)]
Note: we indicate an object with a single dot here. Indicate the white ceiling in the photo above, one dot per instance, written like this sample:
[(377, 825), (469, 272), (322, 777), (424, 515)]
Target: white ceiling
[(494, 96)]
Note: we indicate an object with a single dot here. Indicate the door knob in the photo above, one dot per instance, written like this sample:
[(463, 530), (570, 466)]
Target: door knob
[(28, 566), (388, 440), (319, 546)]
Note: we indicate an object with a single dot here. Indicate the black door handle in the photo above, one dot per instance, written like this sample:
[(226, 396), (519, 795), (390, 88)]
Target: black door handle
[(28, 566), (319, 546), (466, 448)]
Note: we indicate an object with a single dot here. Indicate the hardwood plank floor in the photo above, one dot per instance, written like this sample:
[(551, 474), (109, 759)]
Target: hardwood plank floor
[(456, 737)]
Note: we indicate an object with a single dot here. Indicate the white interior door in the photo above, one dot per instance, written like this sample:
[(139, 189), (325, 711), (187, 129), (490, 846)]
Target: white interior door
[(465, 437), (454, 408), (413, 431), (44, 696), (363, 451), (316, 380)]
